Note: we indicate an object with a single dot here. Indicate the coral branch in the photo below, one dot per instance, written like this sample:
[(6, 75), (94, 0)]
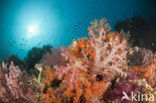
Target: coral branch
[(110, 49), (12, 81), (14, 87), (53, 58), (72, 70)]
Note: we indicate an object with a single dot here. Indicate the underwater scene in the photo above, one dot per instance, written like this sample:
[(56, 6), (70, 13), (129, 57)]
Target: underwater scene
[(77, 51)]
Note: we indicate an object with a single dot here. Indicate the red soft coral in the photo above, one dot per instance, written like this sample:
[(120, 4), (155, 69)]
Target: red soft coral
[(53, 58)]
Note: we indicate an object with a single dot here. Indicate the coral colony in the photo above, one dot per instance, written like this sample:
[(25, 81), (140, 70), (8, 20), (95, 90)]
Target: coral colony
[(100, 68)]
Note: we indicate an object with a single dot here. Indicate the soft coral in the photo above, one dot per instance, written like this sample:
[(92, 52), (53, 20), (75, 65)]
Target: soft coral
[(14, 85), (110, 48), (72, 70), (148, 72)]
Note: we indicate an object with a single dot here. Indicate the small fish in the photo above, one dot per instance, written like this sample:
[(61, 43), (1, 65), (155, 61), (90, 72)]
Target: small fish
[(81, 22), (10, 43), (75, 25)]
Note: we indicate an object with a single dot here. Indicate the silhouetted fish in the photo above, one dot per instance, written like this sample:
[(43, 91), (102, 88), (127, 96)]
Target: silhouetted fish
[(10, 44), (81, 22), (75, 25)]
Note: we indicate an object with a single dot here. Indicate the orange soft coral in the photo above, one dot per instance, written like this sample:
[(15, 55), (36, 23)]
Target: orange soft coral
[(94, 89), (48, 75), (75, 92), (82, 46), (148, 73), (88, 87), (47, 91)]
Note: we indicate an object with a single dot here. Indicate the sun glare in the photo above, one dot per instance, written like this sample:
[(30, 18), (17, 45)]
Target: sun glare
[(33, 30)]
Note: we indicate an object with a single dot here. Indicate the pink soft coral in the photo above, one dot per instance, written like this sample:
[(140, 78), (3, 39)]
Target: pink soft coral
[(110, 48), (12, 80), (72, 70), (14, 86)]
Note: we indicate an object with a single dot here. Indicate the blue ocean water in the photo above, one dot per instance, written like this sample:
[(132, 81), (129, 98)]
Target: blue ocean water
[(33, 23)]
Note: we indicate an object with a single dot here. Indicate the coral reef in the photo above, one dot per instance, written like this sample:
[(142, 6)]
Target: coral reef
[(35, 55), (140, 57), (104, 52), (15, 86), (53, 58), (109, 55), (47, 93), (142, 31), (100, 68), (127, 85), (72, 70), (147, 73), (14, 58)]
